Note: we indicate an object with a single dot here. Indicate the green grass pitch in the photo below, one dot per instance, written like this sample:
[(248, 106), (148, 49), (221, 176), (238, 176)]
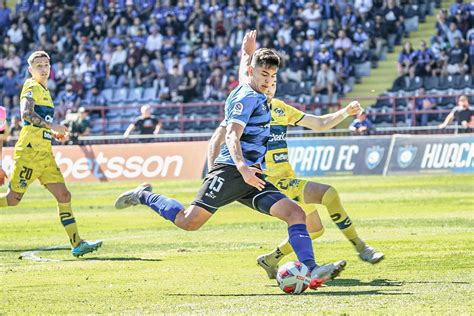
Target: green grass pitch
[(423, 224)]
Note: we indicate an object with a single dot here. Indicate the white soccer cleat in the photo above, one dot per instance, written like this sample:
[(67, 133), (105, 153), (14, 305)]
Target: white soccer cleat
[(371, 255), (271, 270), (322, 274), (131, 197)]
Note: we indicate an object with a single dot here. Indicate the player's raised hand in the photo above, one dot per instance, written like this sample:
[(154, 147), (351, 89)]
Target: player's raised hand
[(249, 42), (250, 177), (353, 108), (3, 176)]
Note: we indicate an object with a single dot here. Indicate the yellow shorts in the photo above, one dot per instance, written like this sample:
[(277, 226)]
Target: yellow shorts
[(293, 188), (31, 165)]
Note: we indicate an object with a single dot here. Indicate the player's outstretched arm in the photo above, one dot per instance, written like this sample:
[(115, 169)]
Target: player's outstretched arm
[(215, 143), (249, 44), (328, 121), (28, 114)]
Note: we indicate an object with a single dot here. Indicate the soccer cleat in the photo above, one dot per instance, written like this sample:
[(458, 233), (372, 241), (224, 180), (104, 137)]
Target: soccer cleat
[(371, 255), (322, 274), (270, 269), (132, 197), (85, 247)]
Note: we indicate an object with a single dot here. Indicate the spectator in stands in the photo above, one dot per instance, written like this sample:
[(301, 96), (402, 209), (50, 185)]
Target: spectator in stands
[(452, 33), (362, 125), (78, 125), (343, 42), (146, 124), (96, 99), (11, 86), (299, 64), (462, 113), (232, 83), (145, 73), (457, 58), (12, 61), (100, 72), (68, 100), (393, 17), (127, 73), (119, 56), (188, 90), (325, 81), (424, 61), (406, 59), (423, 103), (363, 6), (170, 84), (378, 36), (342, 68), (4, 17), (215, 85)]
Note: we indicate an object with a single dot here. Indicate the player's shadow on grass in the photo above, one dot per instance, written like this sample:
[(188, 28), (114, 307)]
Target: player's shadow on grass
[(355, 282), (319, 292), (118, 259)]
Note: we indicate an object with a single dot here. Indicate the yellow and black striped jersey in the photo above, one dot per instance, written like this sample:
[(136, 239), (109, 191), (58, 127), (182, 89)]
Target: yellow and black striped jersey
[(31, 136), (276, 157)]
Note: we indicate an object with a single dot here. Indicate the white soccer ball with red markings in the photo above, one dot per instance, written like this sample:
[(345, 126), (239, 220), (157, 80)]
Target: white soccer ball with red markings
[(293, 277)]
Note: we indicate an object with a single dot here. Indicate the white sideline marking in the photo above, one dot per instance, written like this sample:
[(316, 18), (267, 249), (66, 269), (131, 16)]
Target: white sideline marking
[(31, 254)]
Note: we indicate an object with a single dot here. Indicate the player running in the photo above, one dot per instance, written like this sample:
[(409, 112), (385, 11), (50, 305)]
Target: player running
[(237, 172), (280, 173), (33, 156)]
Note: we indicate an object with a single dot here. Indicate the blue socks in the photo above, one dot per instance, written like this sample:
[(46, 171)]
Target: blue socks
[(166, 207), (302, 245)]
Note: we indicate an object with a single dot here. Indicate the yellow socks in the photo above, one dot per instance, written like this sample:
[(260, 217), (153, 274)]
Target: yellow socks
[(285, 248), (333, 203), (3, 201), (69, 223)]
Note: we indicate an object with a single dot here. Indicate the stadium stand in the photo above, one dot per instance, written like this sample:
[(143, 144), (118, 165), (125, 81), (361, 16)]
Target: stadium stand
[(442, 69), (123, 53)]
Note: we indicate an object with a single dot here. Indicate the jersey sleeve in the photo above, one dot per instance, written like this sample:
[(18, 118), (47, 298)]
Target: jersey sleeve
[(28, 90), (294, 115), (239, 112)]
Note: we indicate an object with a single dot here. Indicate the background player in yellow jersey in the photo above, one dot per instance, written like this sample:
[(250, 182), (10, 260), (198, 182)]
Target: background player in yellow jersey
[(33, 156), (281, 174)]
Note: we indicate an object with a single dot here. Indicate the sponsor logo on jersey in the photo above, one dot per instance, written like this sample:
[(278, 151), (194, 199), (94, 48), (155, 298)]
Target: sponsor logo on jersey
[(281, 157), (47, 135), (406, 155), (277, 137), (373, 156), (279, 112), (238, 108)]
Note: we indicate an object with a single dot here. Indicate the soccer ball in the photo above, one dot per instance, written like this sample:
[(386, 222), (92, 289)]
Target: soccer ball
[(293, 277)]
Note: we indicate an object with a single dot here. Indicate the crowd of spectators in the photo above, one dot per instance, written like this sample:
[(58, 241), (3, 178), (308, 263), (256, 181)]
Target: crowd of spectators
[(189, 50)]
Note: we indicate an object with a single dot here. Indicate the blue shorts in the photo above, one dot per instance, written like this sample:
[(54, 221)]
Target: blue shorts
[(224, 184)]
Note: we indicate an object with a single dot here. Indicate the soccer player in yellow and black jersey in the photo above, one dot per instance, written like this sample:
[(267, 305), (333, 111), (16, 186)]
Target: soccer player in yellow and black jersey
[(280, 173), (33, 156)]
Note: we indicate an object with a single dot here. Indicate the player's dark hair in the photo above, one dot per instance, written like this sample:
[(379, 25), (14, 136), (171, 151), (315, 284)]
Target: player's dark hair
[(265, 57)]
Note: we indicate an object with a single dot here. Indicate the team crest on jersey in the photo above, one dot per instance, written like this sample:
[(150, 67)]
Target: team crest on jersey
[(22, 184), (373, 156), (279, 112), (265, 106), (238, 108), (29, 94), (294, 182), (406, 155)]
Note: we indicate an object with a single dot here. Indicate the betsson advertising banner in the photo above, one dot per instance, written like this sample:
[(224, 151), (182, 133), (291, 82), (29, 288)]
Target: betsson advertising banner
[(178, 160)]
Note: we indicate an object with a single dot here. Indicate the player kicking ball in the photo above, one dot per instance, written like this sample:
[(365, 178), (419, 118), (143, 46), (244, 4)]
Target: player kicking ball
[(33, 156), (237, 172), (281, 174)]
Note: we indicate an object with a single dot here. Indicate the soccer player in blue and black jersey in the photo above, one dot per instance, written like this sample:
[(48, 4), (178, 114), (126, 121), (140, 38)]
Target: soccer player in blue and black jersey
[(237, 172)]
